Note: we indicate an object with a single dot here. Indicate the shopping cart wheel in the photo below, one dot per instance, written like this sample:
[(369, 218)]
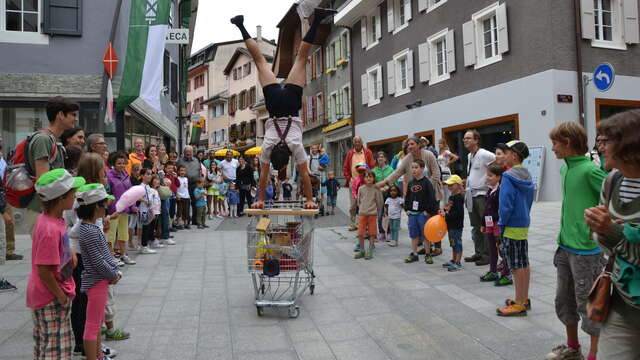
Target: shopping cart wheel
[(260, 310), (312, 287), (294, 311)]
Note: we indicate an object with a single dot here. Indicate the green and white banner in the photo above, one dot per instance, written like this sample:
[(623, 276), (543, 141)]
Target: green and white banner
[(143, 63)]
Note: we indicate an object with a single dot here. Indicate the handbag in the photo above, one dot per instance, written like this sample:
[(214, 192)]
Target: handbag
[(599, 298), (146, 217)]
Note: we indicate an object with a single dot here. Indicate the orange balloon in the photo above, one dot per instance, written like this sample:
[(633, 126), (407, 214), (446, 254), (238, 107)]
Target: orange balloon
[(435, 229)]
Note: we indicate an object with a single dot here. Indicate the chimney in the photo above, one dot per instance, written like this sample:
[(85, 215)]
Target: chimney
[(259, 33)]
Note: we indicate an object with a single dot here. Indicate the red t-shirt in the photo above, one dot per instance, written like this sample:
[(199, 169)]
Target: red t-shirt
[(50, 246)]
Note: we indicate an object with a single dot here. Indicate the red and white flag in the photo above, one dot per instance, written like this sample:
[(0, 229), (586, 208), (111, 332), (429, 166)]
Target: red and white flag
[(108, 117)]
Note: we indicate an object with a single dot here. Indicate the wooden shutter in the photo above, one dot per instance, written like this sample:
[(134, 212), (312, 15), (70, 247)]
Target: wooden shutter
[(587, 19), (390, 18), (174, 83), (410, 69), (327, 62), (363, 31), (320, 104), (407, 9), (503, 33), (348, 46), (379, 83), (339, 54), (469, 41), (379, 23), (423, 60), (62, 17), (391, 82), (314, 109), (308, 69), (422, 5), (364, 78), (451, 51), (631, 31)]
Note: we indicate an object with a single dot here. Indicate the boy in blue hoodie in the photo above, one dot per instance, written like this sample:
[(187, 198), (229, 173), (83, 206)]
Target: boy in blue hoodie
[(516, 198)]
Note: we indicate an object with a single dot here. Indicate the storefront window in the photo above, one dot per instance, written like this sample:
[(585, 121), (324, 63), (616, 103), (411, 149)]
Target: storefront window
[(18, 123)]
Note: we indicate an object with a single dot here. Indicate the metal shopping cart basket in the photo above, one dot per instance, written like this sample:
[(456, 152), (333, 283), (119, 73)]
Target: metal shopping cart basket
[(280, 254)]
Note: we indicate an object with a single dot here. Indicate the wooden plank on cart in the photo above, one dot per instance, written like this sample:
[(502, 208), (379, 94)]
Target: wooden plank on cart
[(292, 212), (263, 224)]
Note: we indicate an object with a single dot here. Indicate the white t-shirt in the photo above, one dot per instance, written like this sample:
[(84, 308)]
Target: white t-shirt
[(155, 201), (229, 168), (443, 161), (395, 207), (183, 189), (477, 171)]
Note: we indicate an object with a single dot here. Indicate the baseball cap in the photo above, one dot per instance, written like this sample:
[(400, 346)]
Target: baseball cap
[(55, 183), (92, 193), (362, 167), (519, 147), (454, 179)]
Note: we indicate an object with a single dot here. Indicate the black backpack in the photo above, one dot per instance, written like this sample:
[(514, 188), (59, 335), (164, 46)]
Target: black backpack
[(281, 153)]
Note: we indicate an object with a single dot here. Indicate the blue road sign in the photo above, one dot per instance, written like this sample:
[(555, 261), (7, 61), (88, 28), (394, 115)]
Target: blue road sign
[(603, 76)]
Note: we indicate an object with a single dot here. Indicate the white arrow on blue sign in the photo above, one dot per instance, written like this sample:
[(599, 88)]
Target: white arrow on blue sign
[(603, 76)]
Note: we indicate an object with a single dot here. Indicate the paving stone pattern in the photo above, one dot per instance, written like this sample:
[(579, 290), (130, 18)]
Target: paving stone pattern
[(195, 301)]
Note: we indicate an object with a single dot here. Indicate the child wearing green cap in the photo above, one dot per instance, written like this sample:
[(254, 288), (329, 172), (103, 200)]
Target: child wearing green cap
[(51, 287), (100, 267)]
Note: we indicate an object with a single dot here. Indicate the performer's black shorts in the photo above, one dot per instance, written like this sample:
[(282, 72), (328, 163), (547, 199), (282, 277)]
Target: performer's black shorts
[(283, 100)]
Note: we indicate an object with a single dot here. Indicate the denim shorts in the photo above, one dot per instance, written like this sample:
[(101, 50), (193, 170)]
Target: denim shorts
[(332, 200), (416, 225), (455, 239)]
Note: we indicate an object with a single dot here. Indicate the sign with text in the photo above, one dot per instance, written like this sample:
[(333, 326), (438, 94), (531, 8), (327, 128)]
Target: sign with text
[(177, 36)]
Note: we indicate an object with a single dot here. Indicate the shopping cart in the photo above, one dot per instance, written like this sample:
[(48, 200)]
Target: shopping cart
[(280, 254)]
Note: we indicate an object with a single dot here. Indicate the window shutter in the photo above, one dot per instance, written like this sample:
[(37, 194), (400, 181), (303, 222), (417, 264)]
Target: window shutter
[(62, 17), (410, 69), (379, 23), (451, 51), (588, 21), (308, 69), (390, 18), (348, 46), (391, 71), (339, 106), (336, 53), (174, 83), (407, 9), (363, 31), (364, 78), (320, 104), (166, 68), (422, 5), (631, 31), (313, 67), (379, 83), (503, 34), (469, 41), (327, 62), (423, 59), (304, 110), (314, 109), (348, 101), (321, 58), (339, 53)]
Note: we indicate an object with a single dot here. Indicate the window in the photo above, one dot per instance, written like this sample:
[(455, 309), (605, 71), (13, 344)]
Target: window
[(610, 23), (346, 102), (235, 74), (320, 108), (346, 45), (371, 29), (371, 83), (400, 73), (317, 62), (430, 5), (246, 69), (218, 110), (252, 95), (242, 98), (331, 57), (233, 104), (398, 15), (485, 37), (333, 107), (20, 22), (437, 57)]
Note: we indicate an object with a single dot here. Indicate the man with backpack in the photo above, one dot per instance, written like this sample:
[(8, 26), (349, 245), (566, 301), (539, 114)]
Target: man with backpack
[(43, 152)]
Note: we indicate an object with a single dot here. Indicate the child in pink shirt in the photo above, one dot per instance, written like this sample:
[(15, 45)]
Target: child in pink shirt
[(51, 286)]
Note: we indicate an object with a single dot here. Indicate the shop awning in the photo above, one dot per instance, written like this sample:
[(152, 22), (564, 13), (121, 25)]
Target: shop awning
[(155, 117)]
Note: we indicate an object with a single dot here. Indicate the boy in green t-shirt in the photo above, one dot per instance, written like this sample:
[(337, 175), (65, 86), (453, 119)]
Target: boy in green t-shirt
[(516, 198)]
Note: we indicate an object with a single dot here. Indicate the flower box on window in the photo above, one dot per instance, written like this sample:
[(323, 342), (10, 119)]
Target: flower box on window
[(330, 70), (342, 62)]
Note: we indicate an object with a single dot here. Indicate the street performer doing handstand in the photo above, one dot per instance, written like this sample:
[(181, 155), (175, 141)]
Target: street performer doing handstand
[(283, 133)]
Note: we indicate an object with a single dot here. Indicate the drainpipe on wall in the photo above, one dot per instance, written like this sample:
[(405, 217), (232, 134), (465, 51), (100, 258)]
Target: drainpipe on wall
[(578, 25)]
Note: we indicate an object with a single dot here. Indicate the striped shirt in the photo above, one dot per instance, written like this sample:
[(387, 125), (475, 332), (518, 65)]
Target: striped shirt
[(629, 189), (98, 262)]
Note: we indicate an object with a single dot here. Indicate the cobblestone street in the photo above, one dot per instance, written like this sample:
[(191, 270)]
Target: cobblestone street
[(195, 301)]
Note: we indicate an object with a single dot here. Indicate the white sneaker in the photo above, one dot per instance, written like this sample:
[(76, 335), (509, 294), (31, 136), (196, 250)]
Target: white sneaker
[(156, 244), (120, 262), (108, 352), (147, 250), (168, 242), (210, 217), (564, 352), (127, 260)]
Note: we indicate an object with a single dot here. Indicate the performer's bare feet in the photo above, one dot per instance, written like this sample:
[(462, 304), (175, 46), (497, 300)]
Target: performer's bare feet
[(258, 205), (310, 204)]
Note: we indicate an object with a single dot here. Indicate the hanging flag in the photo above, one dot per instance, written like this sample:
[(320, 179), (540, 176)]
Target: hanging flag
[(143, 73), (108, 116)]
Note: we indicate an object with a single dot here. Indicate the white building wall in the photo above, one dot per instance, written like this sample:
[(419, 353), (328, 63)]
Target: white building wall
[(528, 97)]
